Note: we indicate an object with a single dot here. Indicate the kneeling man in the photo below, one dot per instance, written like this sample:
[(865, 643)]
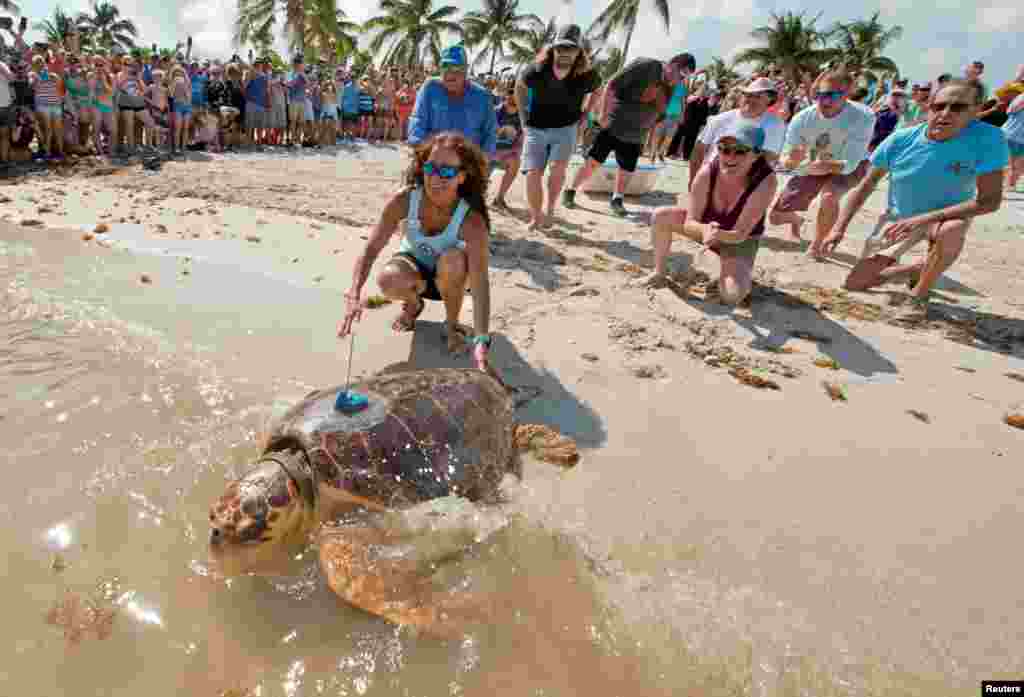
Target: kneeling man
[(944, 173)]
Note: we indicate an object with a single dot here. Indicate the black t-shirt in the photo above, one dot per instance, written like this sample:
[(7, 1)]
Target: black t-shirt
[(631, 117), (556, 103)]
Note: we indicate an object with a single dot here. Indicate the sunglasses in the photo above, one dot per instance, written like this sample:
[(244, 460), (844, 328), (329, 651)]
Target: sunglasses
[(830, 96), (444, 171), (953, 107), (733, 149)]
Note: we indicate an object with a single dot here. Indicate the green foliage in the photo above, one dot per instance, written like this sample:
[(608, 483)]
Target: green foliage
[(792, 43), (409, 31), (620, 16), (497, 28), (105, 28)]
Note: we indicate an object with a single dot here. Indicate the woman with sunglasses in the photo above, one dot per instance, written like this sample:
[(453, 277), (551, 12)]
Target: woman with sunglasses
[(442, 217), (728, 201)]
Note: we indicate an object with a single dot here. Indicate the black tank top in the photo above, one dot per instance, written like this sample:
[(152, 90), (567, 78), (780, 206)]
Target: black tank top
[(727, 220)]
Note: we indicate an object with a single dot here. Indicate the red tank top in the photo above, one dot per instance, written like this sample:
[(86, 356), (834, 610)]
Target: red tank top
[(727, 220)]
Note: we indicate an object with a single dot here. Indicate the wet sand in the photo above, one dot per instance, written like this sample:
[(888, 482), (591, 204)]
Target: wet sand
[(775, 539)]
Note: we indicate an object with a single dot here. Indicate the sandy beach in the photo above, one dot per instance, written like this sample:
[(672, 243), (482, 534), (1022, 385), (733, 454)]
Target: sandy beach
[(753, 525)]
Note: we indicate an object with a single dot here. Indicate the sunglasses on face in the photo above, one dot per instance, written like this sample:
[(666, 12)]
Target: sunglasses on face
[(432, 169), (726, 149), (829, 96), (953, 107)]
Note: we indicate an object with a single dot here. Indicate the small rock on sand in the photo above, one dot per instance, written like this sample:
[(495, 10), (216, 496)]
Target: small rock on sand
[(252, 238), (592, 357), (31, 222), (585, 292), (648, 371), (101, 228), (145, 278)]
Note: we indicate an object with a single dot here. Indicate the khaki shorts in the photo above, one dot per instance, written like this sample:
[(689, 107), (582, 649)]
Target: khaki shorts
[(876, 244), (801, 190), (296, 112)]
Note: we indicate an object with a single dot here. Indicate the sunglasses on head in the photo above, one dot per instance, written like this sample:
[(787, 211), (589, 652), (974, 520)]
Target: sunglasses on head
[(726, 149), (830, 96), (953, 107), (443, 171)]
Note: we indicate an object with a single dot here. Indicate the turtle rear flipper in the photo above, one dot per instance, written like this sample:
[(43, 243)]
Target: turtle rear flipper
[(358, 569), (546, 444)]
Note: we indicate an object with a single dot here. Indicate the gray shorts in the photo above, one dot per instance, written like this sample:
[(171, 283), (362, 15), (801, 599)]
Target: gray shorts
[(543, 145)]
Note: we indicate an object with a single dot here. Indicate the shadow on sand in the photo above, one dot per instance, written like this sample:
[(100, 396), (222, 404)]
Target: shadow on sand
[(541, 396)]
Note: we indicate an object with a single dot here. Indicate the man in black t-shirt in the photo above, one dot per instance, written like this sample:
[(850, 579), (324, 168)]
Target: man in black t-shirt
[(551, 93), (632, 102)]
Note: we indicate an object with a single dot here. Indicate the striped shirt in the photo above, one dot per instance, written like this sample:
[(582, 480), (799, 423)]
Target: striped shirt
[(47, 92)]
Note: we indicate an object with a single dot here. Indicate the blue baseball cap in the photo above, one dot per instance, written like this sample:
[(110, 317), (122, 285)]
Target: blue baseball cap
[(453, 55), (745, 133)]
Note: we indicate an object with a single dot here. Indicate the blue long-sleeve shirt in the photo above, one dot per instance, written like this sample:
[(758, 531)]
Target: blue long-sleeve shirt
[(472, 115)]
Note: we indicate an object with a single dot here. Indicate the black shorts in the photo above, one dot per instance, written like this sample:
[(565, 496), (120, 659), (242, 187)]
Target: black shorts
[(626, 154), (430, 276), (7, 116)]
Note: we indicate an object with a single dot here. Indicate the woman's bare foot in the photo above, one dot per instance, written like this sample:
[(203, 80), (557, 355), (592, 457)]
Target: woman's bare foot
[(539, 224), (456, 340), (406, 321)]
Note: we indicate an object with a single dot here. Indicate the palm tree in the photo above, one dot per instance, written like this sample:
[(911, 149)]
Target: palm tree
[(410, 28), (610, 64), (9, 7), (329, 34), (792, 43), (257, 19), (621, 15), (105, 27), (534, 40), (721, 72), (860, 44), (497, 28), (58, 29)]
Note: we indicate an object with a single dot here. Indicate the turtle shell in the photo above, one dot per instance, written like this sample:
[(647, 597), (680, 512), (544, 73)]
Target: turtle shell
[(424, 434)]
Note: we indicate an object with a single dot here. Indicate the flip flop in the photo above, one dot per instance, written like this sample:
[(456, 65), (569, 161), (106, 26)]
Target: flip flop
[(403, 323)]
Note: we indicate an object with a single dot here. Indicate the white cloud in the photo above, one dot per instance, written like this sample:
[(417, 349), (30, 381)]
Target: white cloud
[(999, 19)]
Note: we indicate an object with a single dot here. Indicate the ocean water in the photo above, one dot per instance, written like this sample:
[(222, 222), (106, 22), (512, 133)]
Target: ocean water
[(125, 408)]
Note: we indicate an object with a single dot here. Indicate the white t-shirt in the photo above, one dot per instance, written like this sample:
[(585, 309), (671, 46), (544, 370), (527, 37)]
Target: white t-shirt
[(774, 131), (844, 137), (6, 98)]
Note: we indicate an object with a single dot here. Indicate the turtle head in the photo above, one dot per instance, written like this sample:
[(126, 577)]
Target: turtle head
[(263, 517)]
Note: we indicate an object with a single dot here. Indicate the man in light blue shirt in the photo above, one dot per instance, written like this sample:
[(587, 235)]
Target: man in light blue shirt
[(453, 103), (944, 173)]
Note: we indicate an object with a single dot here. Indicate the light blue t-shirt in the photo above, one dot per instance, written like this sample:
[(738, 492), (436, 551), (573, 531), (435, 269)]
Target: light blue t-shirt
[(927, 175), (675, 105), (471, 115), (350, 98)]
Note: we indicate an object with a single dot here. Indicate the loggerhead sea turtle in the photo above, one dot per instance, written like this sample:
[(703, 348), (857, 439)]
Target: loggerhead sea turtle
[(425, 435)]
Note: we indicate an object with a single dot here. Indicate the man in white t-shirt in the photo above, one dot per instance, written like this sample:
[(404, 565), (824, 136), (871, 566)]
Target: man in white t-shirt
[(755, 99), (833, 135)]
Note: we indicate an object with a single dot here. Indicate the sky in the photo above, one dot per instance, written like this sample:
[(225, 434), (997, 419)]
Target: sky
[(942, 38)]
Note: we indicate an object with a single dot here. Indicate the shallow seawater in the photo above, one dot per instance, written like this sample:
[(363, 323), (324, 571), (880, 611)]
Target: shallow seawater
[(125, 408)]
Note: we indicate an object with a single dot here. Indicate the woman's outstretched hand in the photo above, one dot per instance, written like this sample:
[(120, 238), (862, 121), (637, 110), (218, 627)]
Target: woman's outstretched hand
[(353, 313)]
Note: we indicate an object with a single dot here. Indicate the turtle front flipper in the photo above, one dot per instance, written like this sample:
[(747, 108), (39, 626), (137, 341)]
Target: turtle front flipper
[(546, 444), (358, 567)]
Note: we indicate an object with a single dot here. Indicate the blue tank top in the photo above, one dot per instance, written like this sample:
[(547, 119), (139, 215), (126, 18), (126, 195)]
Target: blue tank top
[(428, 248)]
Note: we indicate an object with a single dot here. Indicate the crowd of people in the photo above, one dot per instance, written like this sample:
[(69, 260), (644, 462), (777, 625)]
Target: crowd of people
[(948, 148)]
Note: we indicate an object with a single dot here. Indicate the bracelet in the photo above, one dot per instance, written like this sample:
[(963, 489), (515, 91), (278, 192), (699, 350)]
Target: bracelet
[(482, 340)]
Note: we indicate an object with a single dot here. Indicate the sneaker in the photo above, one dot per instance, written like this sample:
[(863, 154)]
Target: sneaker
[(619, 208), (569, 198)]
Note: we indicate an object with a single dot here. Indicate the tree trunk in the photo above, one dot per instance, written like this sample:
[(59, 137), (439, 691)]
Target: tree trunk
[(494, 56), (629, 39)]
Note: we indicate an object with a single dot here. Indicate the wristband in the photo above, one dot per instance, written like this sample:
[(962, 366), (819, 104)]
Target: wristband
[(482, 340)]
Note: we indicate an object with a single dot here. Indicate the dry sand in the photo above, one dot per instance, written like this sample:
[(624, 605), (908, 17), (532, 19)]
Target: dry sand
[(860, 523)]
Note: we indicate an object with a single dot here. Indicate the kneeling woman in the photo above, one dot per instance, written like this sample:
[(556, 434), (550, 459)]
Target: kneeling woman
[(728, 201), (444, 224)]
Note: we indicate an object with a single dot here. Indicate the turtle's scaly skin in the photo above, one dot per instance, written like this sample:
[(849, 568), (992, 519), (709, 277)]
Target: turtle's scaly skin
[(425, 434)]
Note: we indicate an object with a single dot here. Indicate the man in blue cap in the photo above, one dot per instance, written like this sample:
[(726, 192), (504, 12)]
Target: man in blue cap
[(453, 103)]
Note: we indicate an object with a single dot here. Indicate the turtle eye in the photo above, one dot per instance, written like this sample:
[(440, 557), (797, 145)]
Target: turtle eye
[(255, 508)]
